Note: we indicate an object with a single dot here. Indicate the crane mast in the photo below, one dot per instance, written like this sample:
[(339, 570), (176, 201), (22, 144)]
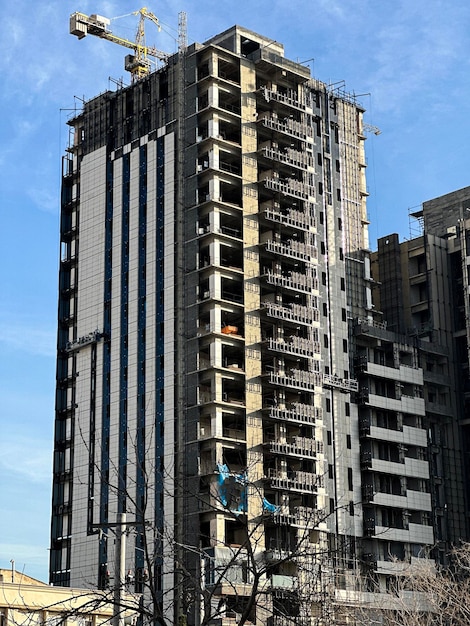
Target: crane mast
[(138, 63)]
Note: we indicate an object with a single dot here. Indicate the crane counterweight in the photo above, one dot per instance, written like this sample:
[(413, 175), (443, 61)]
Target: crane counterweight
[(137, 64), (81, 25)]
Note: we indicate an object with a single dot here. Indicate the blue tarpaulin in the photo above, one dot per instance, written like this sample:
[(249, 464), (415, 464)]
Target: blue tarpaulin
[(232, 489), (271, 508)]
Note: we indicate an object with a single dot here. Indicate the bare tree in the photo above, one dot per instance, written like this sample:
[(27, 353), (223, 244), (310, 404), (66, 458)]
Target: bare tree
[(212, 580), (422, 593), (250, 581), (216, 579)]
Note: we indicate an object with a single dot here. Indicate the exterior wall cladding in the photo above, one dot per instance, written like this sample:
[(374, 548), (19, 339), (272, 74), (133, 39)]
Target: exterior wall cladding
[(223, 376)]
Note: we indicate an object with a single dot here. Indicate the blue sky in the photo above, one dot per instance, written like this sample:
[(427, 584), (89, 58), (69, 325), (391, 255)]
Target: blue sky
[(412, 57)]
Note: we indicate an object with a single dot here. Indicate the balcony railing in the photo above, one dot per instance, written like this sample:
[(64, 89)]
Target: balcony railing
[(293, 250), (298, 379), (282, 620), (290, 187), (298, 481), (298, 446), (289, 157), (290, 98), (297, 413), (293, 312), (288, 127), (292, 217), (302, 517), (207, 229), (297, 345), (295, 280)]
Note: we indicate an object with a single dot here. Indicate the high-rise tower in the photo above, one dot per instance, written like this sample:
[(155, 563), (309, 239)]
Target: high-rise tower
[(214, 254)]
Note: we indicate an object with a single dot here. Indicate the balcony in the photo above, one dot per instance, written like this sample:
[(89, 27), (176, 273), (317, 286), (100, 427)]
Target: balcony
[(413, 500), (298, 346), (282, 620), (288, 187), (229, 362), (291, 217), (298, 414), (297, 379), (385, 565), (403, 374), (229, 330), (225, 566), (277, 554), (407, 436), (287, 126), (298, 446), (295, 481), (232, 167), (233, 395), (289, 157), (416, 533), (292, 312), (233, 398), (296, 281), (232, 105), (265, 58), (279, 581), (406, 404), (301, 517), (293, 250), (228, 71), (420, 533), (229, 290), (413, 468), (229, 130), (289, 98)]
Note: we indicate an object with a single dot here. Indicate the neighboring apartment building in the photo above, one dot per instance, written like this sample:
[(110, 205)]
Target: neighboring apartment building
[(423, 294), (223, 376)]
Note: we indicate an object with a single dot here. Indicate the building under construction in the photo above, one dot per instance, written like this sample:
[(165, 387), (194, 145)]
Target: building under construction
[(225, 385)]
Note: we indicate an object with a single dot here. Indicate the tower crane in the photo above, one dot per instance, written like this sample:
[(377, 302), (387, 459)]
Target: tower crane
[(138, 63)]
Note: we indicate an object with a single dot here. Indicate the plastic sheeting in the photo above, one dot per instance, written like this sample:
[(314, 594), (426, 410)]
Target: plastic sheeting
[(270, 508), (232, 489)]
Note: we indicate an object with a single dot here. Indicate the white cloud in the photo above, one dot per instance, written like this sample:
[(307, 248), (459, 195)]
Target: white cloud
[(415, 51), (28, 338), (332, 8), (12, 40), (20, 132), (45, 199), (26, 458)]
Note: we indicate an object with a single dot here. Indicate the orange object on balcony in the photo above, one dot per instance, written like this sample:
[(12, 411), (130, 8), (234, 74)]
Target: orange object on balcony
[(230, 330)]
